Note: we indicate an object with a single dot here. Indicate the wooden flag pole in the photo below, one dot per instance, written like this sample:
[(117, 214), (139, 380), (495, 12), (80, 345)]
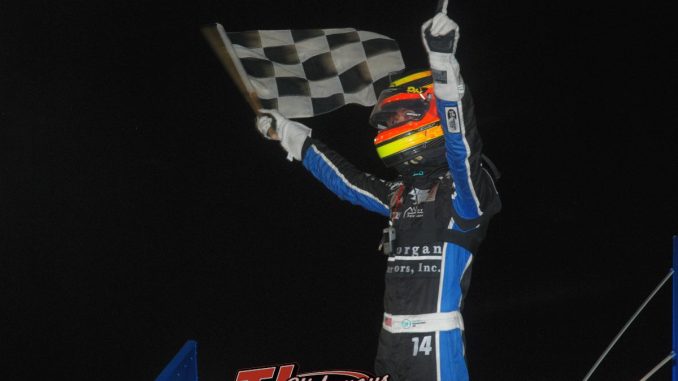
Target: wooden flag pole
[(222, 47), (218, 40)]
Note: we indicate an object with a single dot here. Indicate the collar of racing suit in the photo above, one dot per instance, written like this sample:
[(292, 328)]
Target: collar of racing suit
[(422, 177), (425, 173)]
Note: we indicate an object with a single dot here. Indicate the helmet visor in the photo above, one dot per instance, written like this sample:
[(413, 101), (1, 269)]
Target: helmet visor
[(396, 108)]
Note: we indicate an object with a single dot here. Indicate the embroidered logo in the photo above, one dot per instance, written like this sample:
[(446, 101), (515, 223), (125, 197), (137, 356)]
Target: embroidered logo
[(413, 212)]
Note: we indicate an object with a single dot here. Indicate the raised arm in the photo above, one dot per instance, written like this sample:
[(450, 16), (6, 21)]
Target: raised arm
[(335, 172), (475, 192)]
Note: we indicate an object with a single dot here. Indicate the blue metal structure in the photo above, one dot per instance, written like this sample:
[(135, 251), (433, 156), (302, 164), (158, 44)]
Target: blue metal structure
[(184, 365)]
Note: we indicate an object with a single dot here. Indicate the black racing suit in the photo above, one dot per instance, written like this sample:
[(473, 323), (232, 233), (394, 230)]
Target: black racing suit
[(436, 233)]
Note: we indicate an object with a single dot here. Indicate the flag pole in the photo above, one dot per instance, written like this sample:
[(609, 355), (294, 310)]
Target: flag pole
[(442, 6), (218, 40)]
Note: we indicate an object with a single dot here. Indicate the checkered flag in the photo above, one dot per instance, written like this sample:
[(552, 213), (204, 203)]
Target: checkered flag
[(308, 72)]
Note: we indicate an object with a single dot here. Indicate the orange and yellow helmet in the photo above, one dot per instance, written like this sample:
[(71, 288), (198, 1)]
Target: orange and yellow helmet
[(407, 119)]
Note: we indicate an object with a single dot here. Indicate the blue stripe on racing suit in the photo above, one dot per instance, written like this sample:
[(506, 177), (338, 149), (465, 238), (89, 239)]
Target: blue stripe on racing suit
[(455, 262), (344, 180), (452, 365), (458, 152)]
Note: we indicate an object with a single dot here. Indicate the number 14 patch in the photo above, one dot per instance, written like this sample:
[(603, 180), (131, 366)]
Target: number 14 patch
[(452, 116)]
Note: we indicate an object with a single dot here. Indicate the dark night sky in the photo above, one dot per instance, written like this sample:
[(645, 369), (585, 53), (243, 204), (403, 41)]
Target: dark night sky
[(140, 208)]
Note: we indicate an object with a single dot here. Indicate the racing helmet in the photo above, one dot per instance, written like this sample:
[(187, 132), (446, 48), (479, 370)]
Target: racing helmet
[(407, 119)]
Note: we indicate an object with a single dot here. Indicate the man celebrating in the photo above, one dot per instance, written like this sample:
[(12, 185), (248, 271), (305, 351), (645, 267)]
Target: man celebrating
[(439, 207)]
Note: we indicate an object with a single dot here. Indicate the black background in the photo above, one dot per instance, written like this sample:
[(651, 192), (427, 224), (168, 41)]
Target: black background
[(140, 208)]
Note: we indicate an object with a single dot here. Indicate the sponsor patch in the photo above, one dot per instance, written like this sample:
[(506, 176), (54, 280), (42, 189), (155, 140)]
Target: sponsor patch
[(452, 117), (439, 76)]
